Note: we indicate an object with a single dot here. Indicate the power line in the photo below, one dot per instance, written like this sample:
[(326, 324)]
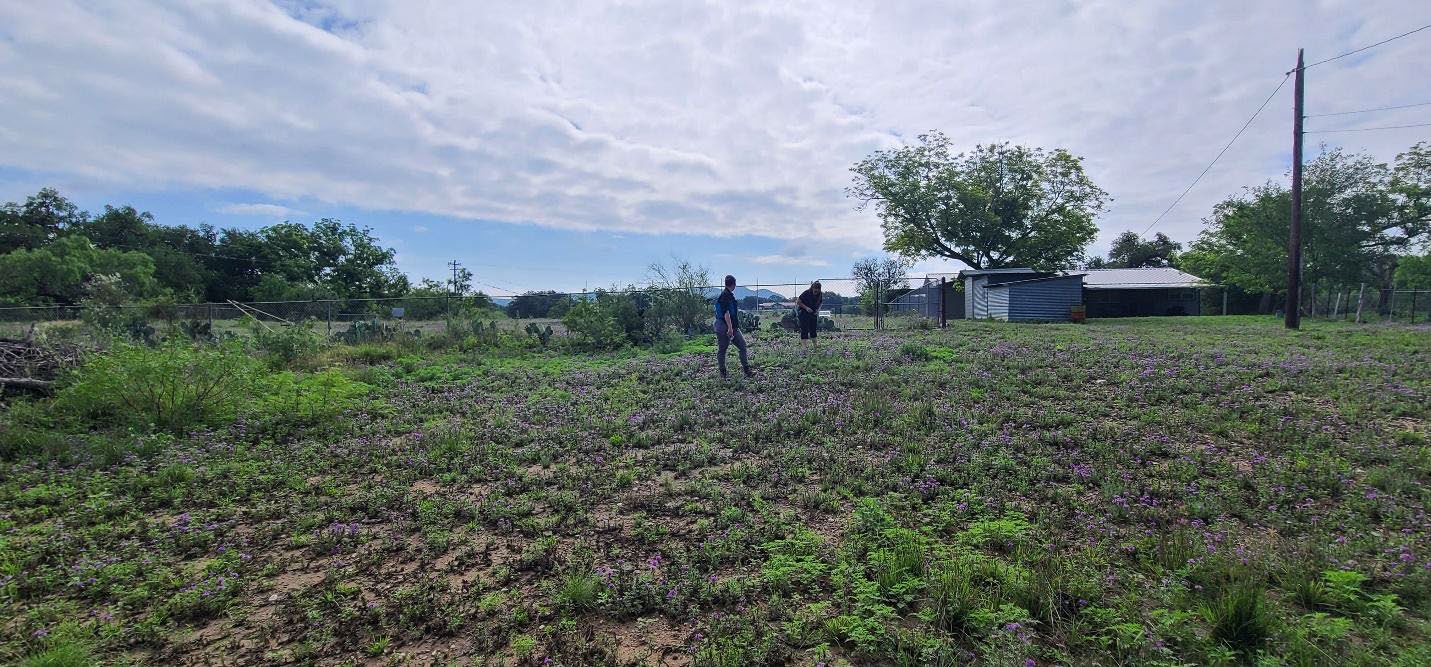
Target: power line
[(1369, 129), (1347, 113), (1220, 153), (1369, 46)]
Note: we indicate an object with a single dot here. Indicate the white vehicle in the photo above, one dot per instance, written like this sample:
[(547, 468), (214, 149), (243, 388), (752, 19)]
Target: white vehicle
[(825, 313)]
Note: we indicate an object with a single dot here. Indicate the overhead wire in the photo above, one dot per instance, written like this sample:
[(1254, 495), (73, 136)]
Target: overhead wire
[(1364, 48), (1368, 129), (1220, 153), (1347, 113)]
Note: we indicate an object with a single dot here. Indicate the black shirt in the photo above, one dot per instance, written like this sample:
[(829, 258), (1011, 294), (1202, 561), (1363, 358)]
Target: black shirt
[(811, 301)]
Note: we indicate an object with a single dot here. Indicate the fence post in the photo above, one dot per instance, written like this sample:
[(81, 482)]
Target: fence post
[(1224, 299), (943, 304), (1360, 301), (1337, 308), (1413, 306)]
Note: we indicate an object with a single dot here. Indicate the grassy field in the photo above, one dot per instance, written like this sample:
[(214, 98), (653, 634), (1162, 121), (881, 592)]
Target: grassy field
[(1162, 491)]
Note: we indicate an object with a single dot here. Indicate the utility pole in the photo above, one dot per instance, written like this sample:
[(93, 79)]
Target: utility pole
[(1294, 241), (455, 266)]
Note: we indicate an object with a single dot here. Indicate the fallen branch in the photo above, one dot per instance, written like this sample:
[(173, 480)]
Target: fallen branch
[(42, 386)]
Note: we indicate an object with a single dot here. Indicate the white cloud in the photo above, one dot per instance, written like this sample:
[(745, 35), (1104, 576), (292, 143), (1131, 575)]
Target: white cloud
[(656, 117), (788, 260), (420, 229), (265, 210)]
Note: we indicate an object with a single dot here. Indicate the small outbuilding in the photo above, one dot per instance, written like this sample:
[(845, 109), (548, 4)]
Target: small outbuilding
[(1021, 295), (1141, 292)]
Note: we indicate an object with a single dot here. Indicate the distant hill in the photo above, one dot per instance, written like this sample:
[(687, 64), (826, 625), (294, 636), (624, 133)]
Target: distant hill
[(742, 292), (710, 293)]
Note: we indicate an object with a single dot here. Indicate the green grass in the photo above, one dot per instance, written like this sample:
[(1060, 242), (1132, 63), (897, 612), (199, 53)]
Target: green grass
[(1211, 490)]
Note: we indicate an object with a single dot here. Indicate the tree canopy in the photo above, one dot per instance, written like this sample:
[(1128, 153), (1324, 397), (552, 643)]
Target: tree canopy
[(1358, 217), (49, 248), (996, 206), (56, 273), (1131, 251)]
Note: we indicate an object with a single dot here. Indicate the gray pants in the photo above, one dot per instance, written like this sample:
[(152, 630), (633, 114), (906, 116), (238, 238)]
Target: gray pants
[(723, 343)]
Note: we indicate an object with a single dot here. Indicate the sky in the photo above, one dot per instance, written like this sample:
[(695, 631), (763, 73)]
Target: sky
[(566, 146)]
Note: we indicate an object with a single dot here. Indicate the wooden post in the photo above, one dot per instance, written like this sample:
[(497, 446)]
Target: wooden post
[(1293, 319), (1224, 299), (943, 304), (1337, 307), (1413, 306), (1360, 301)]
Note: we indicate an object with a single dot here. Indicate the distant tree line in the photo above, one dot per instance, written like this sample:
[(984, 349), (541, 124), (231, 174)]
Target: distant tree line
[(50, 250)]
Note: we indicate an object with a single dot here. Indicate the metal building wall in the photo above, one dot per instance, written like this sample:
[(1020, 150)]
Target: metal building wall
[(1043, 300), (997, 303)]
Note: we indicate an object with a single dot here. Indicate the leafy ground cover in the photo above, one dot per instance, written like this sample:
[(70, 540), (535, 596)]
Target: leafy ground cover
[(1162, 491)]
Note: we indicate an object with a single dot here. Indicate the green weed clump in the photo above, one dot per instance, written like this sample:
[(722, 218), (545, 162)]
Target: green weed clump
[(174, 387), (1240, 617), (62, 654)]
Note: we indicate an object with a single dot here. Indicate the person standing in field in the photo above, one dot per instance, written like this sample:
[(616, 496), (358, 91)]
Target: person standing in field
[(808, 312), (727, 327)]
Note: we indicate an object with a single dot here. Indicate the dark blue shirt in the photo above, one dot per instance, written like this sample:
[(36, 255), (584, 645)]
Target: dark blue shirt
[(726, 303)]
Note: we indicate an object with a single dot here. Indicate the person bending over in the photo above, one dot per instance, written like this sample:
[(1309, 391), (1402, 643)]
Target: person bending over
[(808, 311)]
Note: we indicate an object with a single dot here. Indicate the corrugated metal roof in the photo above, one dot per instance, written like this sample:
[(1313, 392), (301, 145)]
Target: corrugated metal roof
[(986, 272), (1145, 278), (1035, 280)]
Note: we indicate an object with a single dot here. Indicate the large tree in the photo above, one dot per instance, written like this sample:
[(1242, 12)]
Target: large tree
[(1130, 251), (43, 217), (1357, 216), (995, 206)]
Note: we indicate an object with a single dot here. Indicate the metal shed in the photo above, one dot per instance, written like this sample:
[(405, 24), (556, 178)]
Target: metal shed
[(1142, 292), (1047, 299), (977, 282)]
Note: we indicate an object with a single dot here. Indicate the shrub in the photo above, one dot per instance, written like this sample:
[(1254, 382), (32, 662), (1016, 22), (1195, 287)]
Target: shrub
[(282, 345), (592, 327), (173, 387), (25, 432), (105, 309), (669, 342)]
